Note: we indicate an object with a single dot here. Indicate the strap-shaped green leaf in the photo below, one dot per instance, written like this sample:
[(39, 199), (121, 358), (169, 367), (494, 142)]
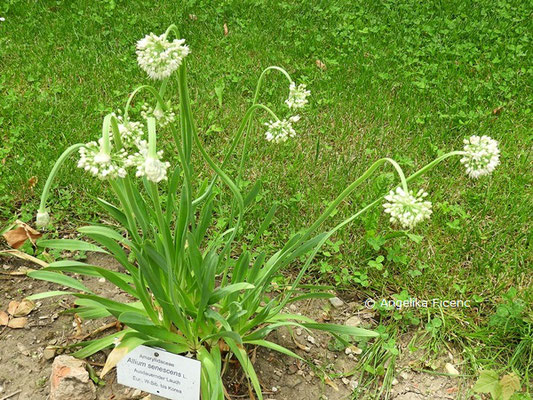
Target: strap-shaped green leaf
[(222, 292), (253, 193), (212, 381), (93, 346), (114, 212), (78, 267), (111, 305), (265, 330), (92, 313), (69, 244), (60, 279), (145, 326), (229, 334), (342, 329), (45, 295), (274, 346), (264, 225), (104, 231)]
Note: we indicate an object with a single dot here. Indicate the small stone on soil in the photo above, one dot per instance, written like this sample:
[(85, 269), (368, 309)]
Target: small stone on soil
[(353, 321), (336, 302), (49, 353), (70, 380), (450, 369)]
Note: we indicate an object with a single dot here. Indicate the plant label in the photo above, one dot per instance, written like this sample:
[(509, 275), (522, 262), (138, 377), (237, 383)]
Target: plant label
[(161, 373)]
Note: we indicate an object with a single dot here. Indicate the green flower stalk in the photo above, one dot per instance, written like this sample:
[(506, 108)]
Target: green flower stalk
[(43, 217), (191, 294)]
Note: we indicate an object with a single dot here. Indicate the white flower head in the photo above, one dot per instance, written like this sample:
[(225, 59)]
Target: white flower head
[(42, 219), (297, 96), (131, 132), (281, 130), (482, 155), (159, 57), (153, 168), (163, 118), (100, 164), (406, 208)]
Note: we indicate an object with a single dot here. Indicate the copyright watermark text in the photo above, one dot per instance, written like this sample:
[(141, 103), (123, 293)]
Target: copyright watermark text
[(414, 302)]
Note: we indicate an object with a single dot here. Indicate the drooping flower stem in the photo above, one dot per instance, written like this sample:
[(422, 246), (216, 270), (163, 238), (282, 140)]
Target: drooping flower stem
[(279, 262), (53, 173), (152, 90), (254, 102), (368, 207), (262, 78), (238, 135)]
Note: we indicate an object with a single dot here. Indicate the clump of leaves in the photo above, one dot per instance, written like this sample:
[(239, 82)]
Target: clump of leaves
[(499, 389)]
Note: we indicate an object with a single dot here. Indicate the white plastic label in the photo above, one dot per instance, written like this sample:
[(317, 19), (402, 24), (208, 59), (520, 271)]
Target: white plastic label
[(160, 372)]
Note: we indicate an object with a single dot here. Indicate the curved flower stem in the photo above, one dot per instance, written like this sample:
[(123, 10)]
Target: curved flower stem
[(412, 177), (286, 297), (401, 175), (247, 117), (262, 78), (279, 261), (245, 124), (244, 152), (256, 98), (349, 190), (152, 90), (172, 28), (59, 162)]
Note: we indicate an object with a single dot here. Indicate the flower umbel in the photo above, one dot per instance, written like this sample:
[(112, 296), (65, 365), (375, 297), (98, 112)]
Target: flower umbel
[(406, 208), (153, 168), (297, 96), (159, 57), (163, 118), (131, 132), (100, 164), (482, 155), (280, 130)]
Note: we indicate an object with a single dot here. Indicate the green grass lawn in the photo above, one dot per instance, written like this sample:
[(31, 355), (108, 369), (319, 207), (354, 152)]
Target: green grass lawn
[(403, 79)]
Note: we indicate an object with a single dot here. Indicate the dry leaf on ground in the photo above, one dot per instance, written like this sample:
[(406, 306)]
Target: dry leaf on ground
[(18, 323), (12, 307), (23, 308), (24, 256), (320, 65), (4, 318), (17, 236)]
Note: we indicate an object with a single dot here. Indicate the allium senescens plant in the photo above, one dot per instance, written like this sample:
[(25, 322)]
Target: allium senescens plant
[(194, 289)]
